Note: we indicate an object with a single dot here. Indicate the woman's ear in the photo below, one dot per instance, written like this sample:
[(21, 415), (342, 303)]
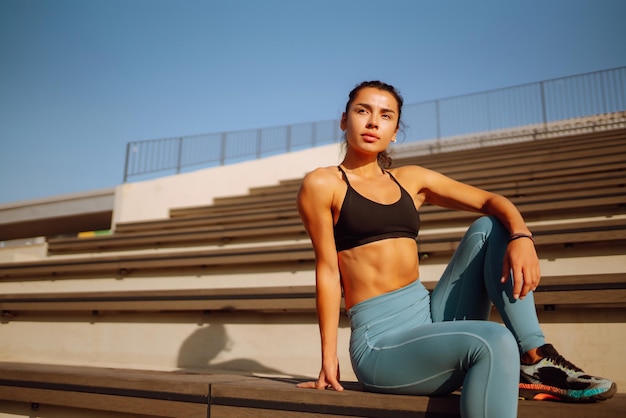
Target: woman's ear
[(344, 121)]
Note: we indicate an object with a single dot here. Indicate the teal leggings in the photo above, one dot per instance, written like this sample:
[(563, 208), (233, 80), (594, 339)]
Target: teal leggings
[(411, 342)]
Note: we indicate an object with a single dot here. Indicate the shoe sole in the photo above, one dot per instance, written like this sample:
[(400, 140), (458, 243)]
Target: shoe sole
[(547, 393)]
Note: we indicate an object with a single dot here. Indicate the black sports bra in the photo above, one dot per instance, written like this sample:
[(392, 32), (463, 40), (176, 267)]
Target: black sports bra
[(362, 220)]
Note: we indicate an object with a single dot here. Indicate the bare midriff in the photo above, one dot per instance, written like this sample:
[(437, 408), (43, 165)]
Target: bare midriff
[(377, 268)]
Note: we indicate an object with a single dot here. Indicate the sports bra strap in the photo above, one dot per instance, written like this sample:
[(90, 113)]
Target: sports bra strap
[(394, 179), (344, 175)]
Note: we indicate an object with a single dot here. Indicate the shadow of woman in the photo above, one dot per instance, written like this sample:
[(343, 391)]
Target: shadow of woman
[(199, 350)]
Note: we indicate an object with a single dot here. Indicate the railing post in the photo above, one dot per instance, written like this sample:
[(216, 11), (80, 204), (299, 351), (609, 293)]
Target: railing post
[(437, 120), (288, 138), (259, 140), (544, 112), (128, 147), (604, 97), (223, 149), (180, 155), (488, 110)]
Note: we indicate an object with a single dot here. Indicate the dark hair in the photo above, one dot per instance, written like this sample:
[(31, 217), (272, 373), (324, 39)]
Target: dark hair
[(384, 160)]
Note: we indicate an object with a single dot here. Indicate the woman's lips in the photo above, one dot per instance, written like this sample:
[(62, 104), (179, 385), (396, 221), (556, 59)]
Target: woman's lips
[(370, 137)]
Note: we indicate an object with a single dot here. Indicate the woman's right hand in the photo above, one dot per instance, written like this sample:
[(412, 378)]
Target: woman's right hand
[(328, 378)]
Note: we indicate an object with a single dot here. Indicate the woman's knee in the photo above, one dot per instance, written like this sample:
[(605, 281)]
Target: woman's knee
[(487, 224), (490, 227), (498, 338), (503, 346), (505, 340)]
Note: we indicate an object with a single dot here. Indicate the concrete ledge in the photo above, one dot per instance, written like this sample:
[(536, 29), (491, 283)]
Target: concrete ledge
[(58, 215)]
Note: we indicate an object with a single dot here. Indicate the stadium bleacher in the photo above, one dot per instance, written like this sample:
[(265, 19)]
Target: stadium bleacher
[(571, 189)]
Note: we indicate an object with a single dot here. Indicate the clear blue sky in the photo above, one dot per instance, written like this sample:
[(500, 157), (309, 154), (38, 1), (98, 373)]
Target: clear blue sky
[(79, 79)]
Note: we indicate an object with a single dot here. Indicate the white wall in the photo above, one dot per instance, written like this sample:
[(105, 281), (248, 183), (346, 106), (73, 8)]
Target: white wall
[(153, 199)]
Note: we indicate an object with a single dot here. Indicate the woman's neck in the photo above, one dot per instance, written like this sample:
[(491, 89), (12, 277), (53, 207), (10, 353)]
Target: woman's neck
[(362, 168)]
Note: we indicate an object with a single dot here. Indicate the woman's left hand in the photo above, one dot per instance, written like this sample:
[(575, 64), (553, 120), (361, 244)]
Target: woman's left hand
[(521, 260)]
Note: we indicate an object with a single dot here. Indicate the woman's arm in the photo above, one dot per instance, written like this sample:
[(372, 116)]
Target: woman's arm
[(521, 257), (315, 207)]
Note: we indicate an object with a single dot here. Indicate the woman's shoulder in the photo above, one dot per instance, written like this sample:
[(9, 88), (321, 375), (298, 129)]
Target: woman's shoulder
[(319, 186), (322, 177), (415, 178), (407, 170), (409, 173)]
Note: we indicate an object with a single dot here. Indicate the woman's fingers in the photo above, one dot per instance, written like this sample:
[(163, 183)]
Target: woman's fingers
[(506, 270), (518, 283), (307, 385), (320, 385), (334, 385), (522, 260)]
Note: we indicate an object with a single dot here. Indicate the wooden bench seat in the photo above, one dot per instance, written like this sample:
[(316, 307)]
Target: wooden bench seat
[(164, 263), (511, 189), (609, 231), (265, 231), (588, 155), (290, 186), (479, 155), (602, 290), (280, 399), (596, 183), (254, 198), (199, 395), (235, 217), (576, 150), (534, 211), (483, 159), (241, 202), (556, 148), (601, 197), (564, 172), (487, 179), (549, 186), (267, 226), (105, 389), (550, 159), (261, 299), (591, 291)]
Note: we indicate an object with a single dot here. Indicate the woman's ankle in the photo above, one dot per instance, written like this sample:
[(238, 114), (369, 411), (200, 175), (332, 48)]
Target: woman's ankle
[(532, 356)]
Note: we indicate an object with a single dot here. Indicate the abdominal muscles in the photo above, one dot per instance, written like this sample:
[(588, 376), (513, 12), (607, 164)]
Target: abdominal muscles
[(378, 267)]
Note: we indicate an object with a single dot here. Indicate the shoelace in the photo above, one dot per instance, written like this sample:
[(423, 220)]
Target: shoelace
[(560, 361)]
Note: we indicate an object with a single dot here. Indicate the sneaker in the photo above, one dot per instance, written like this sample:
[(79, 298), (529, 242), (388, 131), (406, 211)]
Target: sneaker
[(554, 378)]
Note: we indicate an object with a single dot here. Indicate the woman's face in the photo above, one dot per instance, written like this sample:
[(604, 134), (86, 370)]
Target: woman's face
[(371, 122)]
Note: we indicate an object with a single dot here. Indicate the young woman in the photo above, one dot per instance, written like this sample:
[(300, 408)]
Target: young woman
[(362, 218)]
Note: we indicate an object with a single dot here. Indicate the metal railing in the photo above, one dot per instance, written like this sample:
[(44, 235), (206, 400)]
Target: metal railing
[(570, 97)]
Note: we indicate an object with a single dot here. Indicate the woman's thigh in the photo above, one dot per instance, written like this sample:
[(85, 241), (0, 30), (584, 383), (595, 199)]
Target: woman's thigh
[(435, 358)]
